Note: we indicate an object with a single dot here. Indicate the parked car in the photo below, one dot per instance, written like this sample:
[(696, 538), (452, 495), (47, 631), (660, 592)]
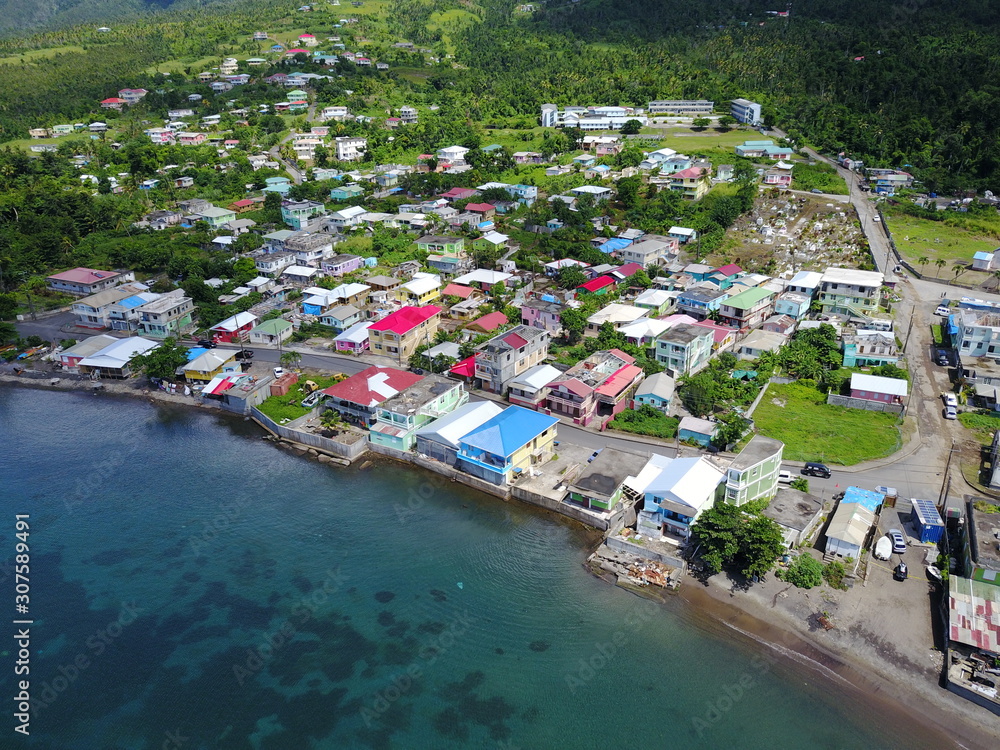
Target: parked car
[(244, 354), (817, 191), (943, 310), (594, 455), (950, 412), (898, 540), (278, 372), (941, 358), (950, 399), (817, 470), (785, 477), (207, 344)]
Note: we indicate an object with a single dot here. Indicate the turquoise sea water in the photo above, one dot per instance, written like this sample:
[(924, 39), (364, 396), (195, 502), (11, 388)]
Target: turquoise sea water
[(193, 586)]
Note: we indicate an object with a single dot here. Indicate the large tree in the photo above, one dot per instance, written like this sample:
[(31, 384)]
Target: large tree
[(163, 361), (730, 539)]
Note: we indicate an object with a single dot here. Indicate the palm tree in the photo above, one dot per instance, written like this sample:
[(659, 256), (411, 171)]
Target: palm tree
[(922, 261), (959, 267), (940, 263), (290, 358)]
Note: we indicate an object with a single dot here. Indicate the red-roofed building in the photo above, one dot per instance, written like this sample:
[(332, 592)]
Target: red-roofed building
[(489, 323), (113, 103), (357, 397), (241, 206), (86, 280), (599, 387), (457, 290), (466, 369), (296, 51), (693, 183), (624, 272), (400, 333), (486, 210), (600, 285), (459, 194)]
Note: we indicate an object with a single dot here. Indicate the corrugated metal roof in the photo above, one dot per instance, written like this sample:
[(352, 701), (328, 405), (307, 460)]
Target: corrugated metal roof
[(450, 428), (509, 430)]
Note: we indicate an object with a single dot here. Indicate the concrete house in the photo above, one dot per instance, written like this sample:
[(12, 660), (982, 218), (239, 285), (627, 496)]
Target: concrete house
[(695, 430), (169, 315), (649, 252), (683, 489), (357, 397), (656, 301), (84, 281), (865, 348), (793, 304), (398, 418), (797, 513), (692, 183), (599, 387), (699, 301), (976, 333), (507, 355), (400, 333), (657, 391), (341, 264), (530, 389), (745, 111), (753, 474), (758, 342), (747, 309), (684, 349), (878, 388), (271, 332), (540, 313), (342, 317), (507, 445), (847, 291), (602, 486), (297, 214), (96, 310)]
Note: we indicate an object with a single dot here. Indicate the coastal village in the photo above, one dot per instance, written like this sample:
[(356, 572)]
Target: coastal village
[(523, 339)]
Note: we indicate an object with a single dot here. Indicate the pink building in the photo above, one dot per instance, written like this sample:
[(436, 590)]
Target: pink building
[(877, 388)]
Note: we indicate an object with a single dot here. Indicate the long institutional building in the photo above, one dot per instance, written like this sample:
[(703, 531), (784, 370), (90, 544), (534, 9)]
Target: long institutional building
[(613, 117)]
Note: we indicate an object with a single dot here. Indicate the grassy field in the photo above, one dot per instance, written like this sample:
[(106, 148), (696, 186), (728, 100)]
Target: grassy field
[(982, 425), (811, 430), (179, 66), (286, 408), (39, 54), (922, 238), (690, 141)]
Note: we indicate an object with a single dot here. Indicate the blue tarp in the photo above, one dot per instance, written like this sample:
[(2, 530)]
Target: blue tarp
[(615, 243), (865, 498)]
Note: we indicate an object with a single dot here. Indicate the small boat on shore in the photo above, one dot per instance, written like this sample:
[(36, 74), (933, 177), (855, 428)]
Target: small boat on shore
[(934, 572), (883, 548)]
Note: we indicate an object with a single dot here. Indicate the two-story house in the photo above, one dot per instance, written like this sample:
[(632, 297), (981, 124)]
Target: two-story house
[(350, 148), (692, 183), (398, 418), (309, 248), (95, 310), (398, 334), (848, 291), (699, 301), (168, 315), (422, 289), (753, 474), (505, 356), (297, 214), (507, 445), (599, 387), (357, 397), (867, 348), (805, 282), (530, 389), (793, 304), (681, 491), (346, 218), (649, 252), (540, 313), (342, 264), (747, 309), (684, 349), (976, 333), (84, 281)]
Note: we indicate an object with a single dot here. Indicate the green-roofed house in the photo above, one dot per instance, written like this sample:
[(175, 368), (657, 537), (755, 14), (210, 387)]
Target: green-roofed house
[(297, 95), (747, 309), (271, 332), (346, 192), (215, 217)]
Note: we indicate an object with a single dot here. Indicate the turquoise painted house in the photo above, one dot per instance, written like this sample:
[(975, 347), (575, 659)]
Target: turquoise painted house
[(700, 431), (346, 192), (657, 391), (793, 304), (398, 418)]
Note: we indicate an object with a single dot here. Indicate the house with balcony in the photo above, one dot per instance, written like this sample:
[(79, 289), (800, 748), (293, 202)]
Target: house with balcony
[(398, 418), (274, 263), (753, 474), (399, 333), (507, 445), (342, 264), (354, 340), (599, 387), (507, 355), (865, 348), (793, 304), (656, 301), (615, 313), (649, 252), (97, 310), (346, 219), (357, 398), (530, 389), (171, 314), (675, 498), (345, 193), (692, 183), (310, 248), (747, 309), (440, 438), (805, 282), (350, 148), (233, 328), (723, 337), (297, 214), (71, 357), (422, 289), (543, 314), (848, 291), (211, 363), (114, 360), (603, 484), (975, 333), (684, 349), (700, 301)]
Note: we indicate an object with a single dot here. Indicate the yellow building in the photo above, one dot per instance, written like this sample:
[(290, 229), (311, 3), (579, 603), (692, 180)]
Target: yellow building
[(213, 362)]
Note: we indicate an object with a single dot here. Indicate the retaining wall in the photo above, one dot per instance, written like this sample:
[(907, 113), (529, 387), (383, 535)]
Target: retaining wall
[(344, 450)]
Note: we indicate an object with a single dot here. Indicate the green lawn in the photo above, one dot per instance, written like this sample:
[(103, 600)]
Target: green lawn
[(818, 177), (814, 431), (690, 141), (983, 425), (916, 238), (282, 409)]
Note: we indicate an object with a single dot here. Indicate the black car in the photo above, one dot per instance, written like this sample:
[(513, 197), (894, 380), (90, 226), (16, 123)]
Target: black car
[(207, 344), (817, 470), (244, 354)]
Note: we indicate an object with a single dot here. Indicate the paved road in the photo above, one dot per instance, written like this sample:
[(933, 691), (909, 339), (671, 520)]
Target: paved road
[(275, 153)]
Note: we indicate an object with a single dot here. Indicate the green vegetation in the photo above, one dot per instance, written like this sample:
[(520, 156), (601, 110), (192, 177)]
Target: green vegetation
[(923, 241), (737, 541), (163, 361), (805, 572), (984, 506), (286, 408), (982, 423), (645, 420), (812, 430), (834, 574), (821, 177)]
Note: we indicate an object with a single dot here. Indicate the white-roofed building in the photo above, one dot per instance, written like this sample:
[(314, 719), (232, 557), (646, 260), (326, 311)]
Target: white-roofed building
[(113, 360), (657, 301), (805, 282), (440, 439), (848, 291), (355, 339), (644, 331), (616, 314), (878, 388), (482, 277), (675, 498), (422, 289), (530, 388)]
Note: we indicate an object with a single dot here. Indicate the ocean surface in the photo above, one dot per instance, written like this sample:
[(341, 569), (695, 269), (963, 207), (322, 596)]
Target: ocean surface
[(193, 586)]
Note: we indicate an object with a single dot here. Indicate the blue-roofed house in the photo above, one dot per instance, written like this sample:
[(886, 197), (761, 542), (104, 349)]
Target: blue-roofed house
[(868, 499), (507, 445), (440, 439), (982, 261), (614, 245)]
